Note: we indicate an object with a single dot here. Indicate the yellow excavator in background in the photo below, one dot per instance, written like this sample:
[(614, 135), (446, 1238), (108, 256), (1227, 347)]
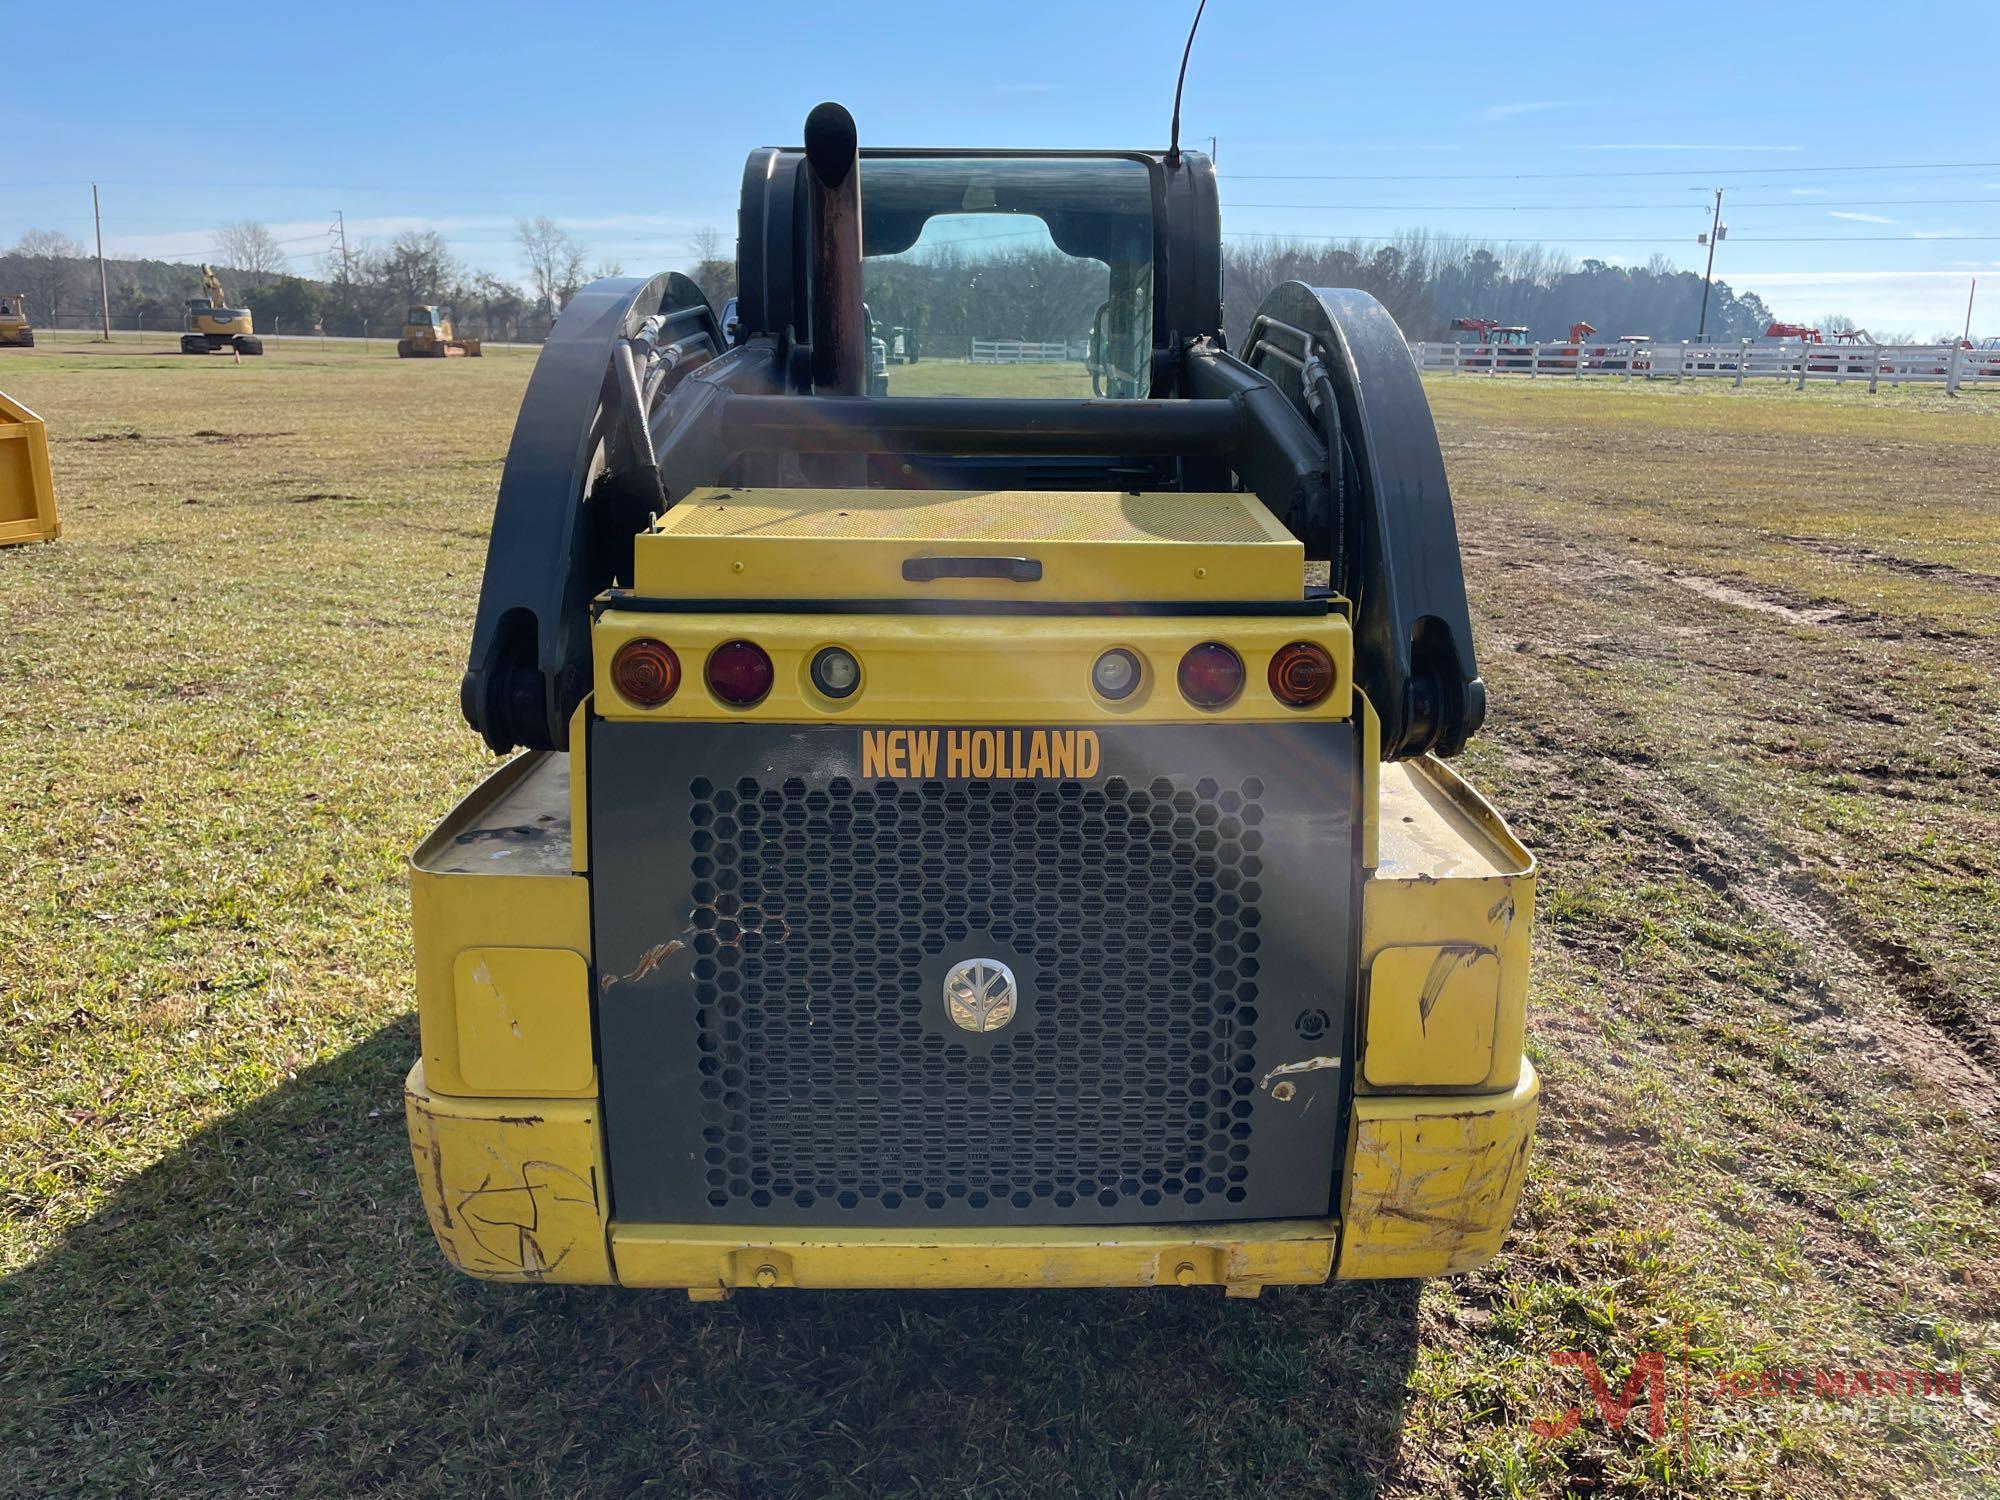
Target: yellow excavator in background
[(212, 326), (14, 330), (427, 335)]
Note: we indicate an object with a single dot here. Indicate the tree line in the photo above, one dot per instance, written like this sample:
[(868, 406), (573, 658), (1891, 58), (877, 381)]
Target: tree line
[(947, 295), (369, 290)]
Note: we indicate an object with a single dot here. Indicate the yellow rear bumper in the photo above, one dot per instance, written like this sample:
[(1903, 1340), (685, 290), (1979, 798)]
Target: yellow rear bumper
[(515, 1190)]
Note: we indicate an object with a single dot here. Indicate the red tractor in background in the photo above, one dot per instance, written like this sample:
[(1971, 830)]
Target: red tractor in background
[(1494, 347), (1819, 360), (1787, 332), (1628, 352)]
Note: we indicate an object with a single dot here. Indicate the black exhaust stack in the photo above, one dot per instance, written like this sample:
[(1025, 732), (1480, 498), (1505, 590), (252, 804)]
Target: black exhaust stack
[(839, 328)]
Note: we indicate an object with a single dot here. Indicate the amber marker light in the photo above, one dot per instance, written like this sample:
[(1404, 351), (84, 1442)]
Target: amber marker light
[(645, 671), (1301, 674), (1211, 675)]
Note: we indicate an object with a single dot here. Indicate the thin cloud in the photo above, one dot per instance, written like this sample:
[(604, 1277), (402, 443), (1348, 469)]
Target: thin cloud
[(1329, 144), (1834, 213), (1681, 146), (1514, 111), (1819, 278)]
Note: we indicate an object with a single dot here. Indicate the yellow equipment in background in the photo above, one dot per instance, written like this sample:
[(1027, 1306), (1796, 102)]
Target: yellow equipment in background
[(427, 335), (27, 488), (14, 330), (211, 326)]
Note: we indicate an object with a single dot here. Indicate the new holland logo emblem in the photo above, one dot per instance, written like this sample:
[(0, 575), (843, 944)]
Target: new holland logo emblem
[(979, 994)]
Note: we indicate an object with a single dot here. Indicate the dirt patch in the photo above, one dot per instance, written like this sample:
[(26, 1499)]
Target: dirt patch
[(1741, 596), (1873, 557)]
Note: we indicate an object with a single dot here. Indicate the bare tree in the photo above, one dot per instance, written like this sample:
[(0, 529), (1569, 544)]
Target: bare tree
[(50, 267), (416, 269), (555, 261), (713, 269), (250, 248), (572, 277)]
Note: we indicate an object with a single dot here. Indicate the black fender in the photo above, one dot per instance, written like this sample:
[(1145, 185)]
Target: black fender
[(1399, 562), (550, 551)]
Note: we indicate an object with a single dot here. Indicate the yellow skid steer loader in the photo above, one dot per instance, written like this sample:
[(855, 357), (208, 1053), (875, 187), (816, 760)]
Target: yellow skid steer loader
[(976, 839)]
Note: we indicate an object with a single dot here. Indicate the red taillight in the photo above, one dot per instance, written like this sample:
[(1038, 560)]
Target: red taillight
[(739, 672), (1211, 675), (646, 671), (1301, 674)]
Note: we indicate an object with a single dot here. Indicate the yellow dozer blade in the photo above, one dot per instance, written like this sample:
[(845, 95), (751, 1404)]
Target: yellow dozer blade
[(27, 488)]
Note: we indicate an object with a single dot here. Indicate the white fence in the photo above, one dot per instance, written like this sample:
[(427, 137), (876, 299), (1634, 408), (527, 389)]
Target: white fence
[(1752, 359), (1018, 352)]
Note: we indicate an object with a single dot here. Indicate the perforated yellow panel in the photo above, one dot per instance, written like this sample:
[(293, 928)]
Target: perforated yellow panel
[(969, 515), (851, 544)]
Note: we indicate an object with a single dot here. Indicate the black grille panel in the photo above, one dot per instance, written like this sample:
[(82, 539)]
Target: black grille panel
[(830, 1081), (772, 933)]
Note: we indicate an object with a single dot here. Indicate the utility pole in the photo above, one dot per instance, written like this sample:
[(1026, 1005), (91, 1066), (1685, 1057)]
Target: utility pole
[(1715, 232), (346, 298), (1966, 337), (1211, 151), (340, 228), (103, 287)]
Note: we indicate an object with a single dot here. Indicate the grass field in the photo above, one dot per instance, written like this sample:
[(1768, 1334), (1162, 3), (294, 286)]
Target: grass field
[(1744, 658), (933, 377)]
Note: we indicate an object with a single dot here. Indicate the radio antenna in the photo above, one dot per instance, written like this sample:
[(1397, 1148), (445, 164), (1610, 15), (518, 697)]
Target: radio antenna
[(1174, 143)]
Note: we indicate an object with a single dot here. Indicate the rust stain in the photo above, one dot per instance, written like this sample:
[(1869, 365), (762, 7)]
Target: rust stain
[(650, 960), (1304, 1065), (437, 1159), (437, 1175)]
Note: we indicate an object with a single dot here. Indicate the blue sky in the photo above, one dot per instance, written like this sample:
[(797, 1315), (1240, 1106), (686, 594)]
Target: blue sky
[(1857, 144)]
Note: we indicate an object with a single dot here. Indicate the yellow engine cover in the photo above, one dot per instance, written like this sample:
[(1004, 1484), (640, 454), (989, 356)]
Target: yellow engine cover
[(1091, 545)]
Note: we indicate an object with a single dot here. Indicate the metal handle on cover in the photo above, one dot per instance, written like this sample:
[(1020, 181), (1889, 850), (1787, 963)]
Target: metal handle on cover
[(931, 569)]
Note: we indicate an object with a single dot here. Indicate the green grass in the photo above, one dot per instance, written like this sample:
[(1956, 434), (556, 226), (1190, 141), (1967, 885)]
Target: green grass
[(933, 377), (1766, 940)]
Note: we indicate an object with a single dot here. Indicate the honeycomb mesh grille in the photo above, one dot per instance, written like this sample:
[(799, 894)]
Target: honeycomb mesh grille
[(830, 1080)]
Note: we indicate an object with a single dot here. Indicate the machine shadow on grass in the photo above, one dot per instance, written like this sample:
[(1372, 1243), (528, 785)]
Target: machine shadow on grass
[(264, 1309)]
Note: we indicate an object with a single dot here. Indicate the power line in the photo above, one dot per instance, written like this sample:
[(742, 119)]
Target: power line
[(1694, 172), (1761, 239), (1510, 208)]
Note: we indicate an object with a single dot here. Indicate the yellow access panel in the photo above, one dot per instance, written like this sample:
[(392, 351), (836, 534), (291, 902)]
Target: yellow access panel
[(27, 486)]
